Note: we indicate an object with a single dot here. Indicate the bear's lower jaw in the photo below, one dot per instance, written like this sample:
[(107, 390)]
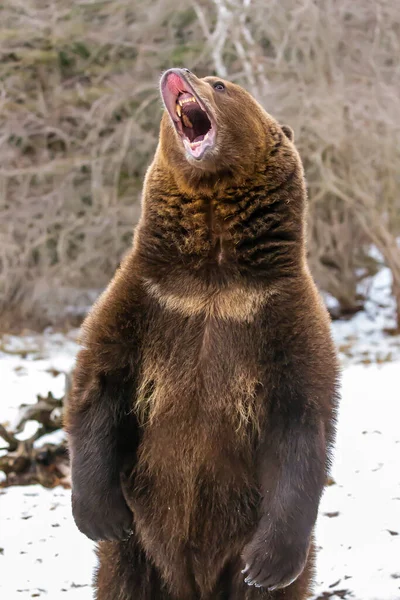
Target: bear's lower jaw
[(200, 145)]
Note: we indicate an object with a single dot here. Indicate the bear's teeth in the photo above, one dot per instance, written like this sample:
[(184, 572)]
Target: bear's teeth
[(186, 121), (178, 110), (191, 99)]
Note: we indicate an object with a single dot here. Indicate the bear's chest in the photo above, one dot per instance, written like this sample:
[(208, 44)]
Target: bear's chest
[(202, 359)]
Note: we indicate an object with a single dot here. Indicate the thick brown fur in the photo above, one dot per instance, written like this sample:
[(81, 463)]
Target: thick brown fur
[(202, 412)]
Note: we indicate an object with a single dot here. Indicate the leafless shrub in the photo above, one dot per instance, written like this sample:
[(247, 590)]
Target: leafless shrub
[(76, 134), (80, 112)]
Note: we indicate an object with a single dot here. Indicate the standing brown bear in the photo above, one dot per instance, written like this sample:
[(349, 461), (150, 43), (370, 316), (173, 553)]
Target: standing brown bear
[(201, 418)]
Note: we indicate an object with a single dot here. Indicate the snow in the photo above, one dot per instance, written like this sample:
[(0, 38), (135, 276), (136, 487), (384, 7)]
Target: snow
[(43, 555), (360, 547), (365, 338)]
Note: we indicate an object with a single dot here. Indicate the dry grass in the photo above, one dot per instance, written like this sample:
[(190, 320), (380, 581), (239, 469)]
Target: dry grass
[(79, 119)]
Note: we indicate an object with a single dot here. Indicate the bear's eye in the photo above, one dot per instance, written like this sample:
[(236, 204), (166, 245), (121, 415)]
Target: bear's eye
[(219, 86)]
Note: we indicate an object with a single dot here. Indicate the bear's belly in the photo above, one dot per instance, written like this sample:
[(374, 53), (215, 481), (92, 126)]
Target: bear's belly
[(201, 405), (194, 499), (190, 477)]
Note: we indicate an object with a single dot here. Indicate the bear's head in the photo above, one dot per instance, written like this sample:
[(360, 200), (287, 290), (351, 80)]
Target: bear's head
[(211, 125)]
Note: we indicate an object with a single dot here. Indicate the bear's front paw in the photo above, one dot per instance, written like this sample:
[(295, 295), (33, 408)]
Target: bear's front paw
[(103, 514), (275, 563)]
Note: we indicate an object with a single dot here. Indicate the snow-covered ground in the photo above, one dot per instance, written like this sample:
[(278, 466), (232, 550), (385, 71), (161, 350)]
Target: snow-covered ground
[(358, 529), (42, 554)]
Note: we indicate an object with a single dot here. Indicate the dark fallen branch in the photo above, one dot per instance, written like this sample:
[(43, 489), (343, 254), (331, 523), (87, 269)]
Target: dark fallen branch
[(22, 462), (9, 438), (47, 411)]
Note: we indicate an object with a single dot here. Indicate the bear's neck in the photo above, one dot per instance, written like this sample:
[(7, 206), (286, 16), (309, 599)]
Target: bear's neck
[(254, 228)]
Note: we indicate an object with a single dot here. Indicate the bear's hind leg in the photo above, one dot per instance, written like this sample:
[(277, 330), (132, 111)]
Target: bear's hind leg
[(125, 573)]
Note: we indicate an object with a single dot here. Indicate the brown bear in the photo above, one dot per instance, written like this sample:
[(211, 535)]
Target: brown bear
[(201, 419)]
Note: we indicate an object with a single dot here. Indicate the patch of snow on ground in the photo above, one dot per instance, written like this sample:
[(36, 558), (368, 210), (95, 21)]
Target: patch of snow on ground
[(358, 529), (363, 338), (42, 554)]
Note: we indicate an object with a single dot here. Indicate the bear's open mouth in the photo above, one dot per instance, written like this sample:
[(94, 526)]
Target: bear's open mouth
[(191, 119)]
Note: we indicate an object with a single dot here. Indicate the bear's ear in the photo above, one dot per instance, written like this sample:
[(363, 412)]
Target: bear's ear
[(288, 131)]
